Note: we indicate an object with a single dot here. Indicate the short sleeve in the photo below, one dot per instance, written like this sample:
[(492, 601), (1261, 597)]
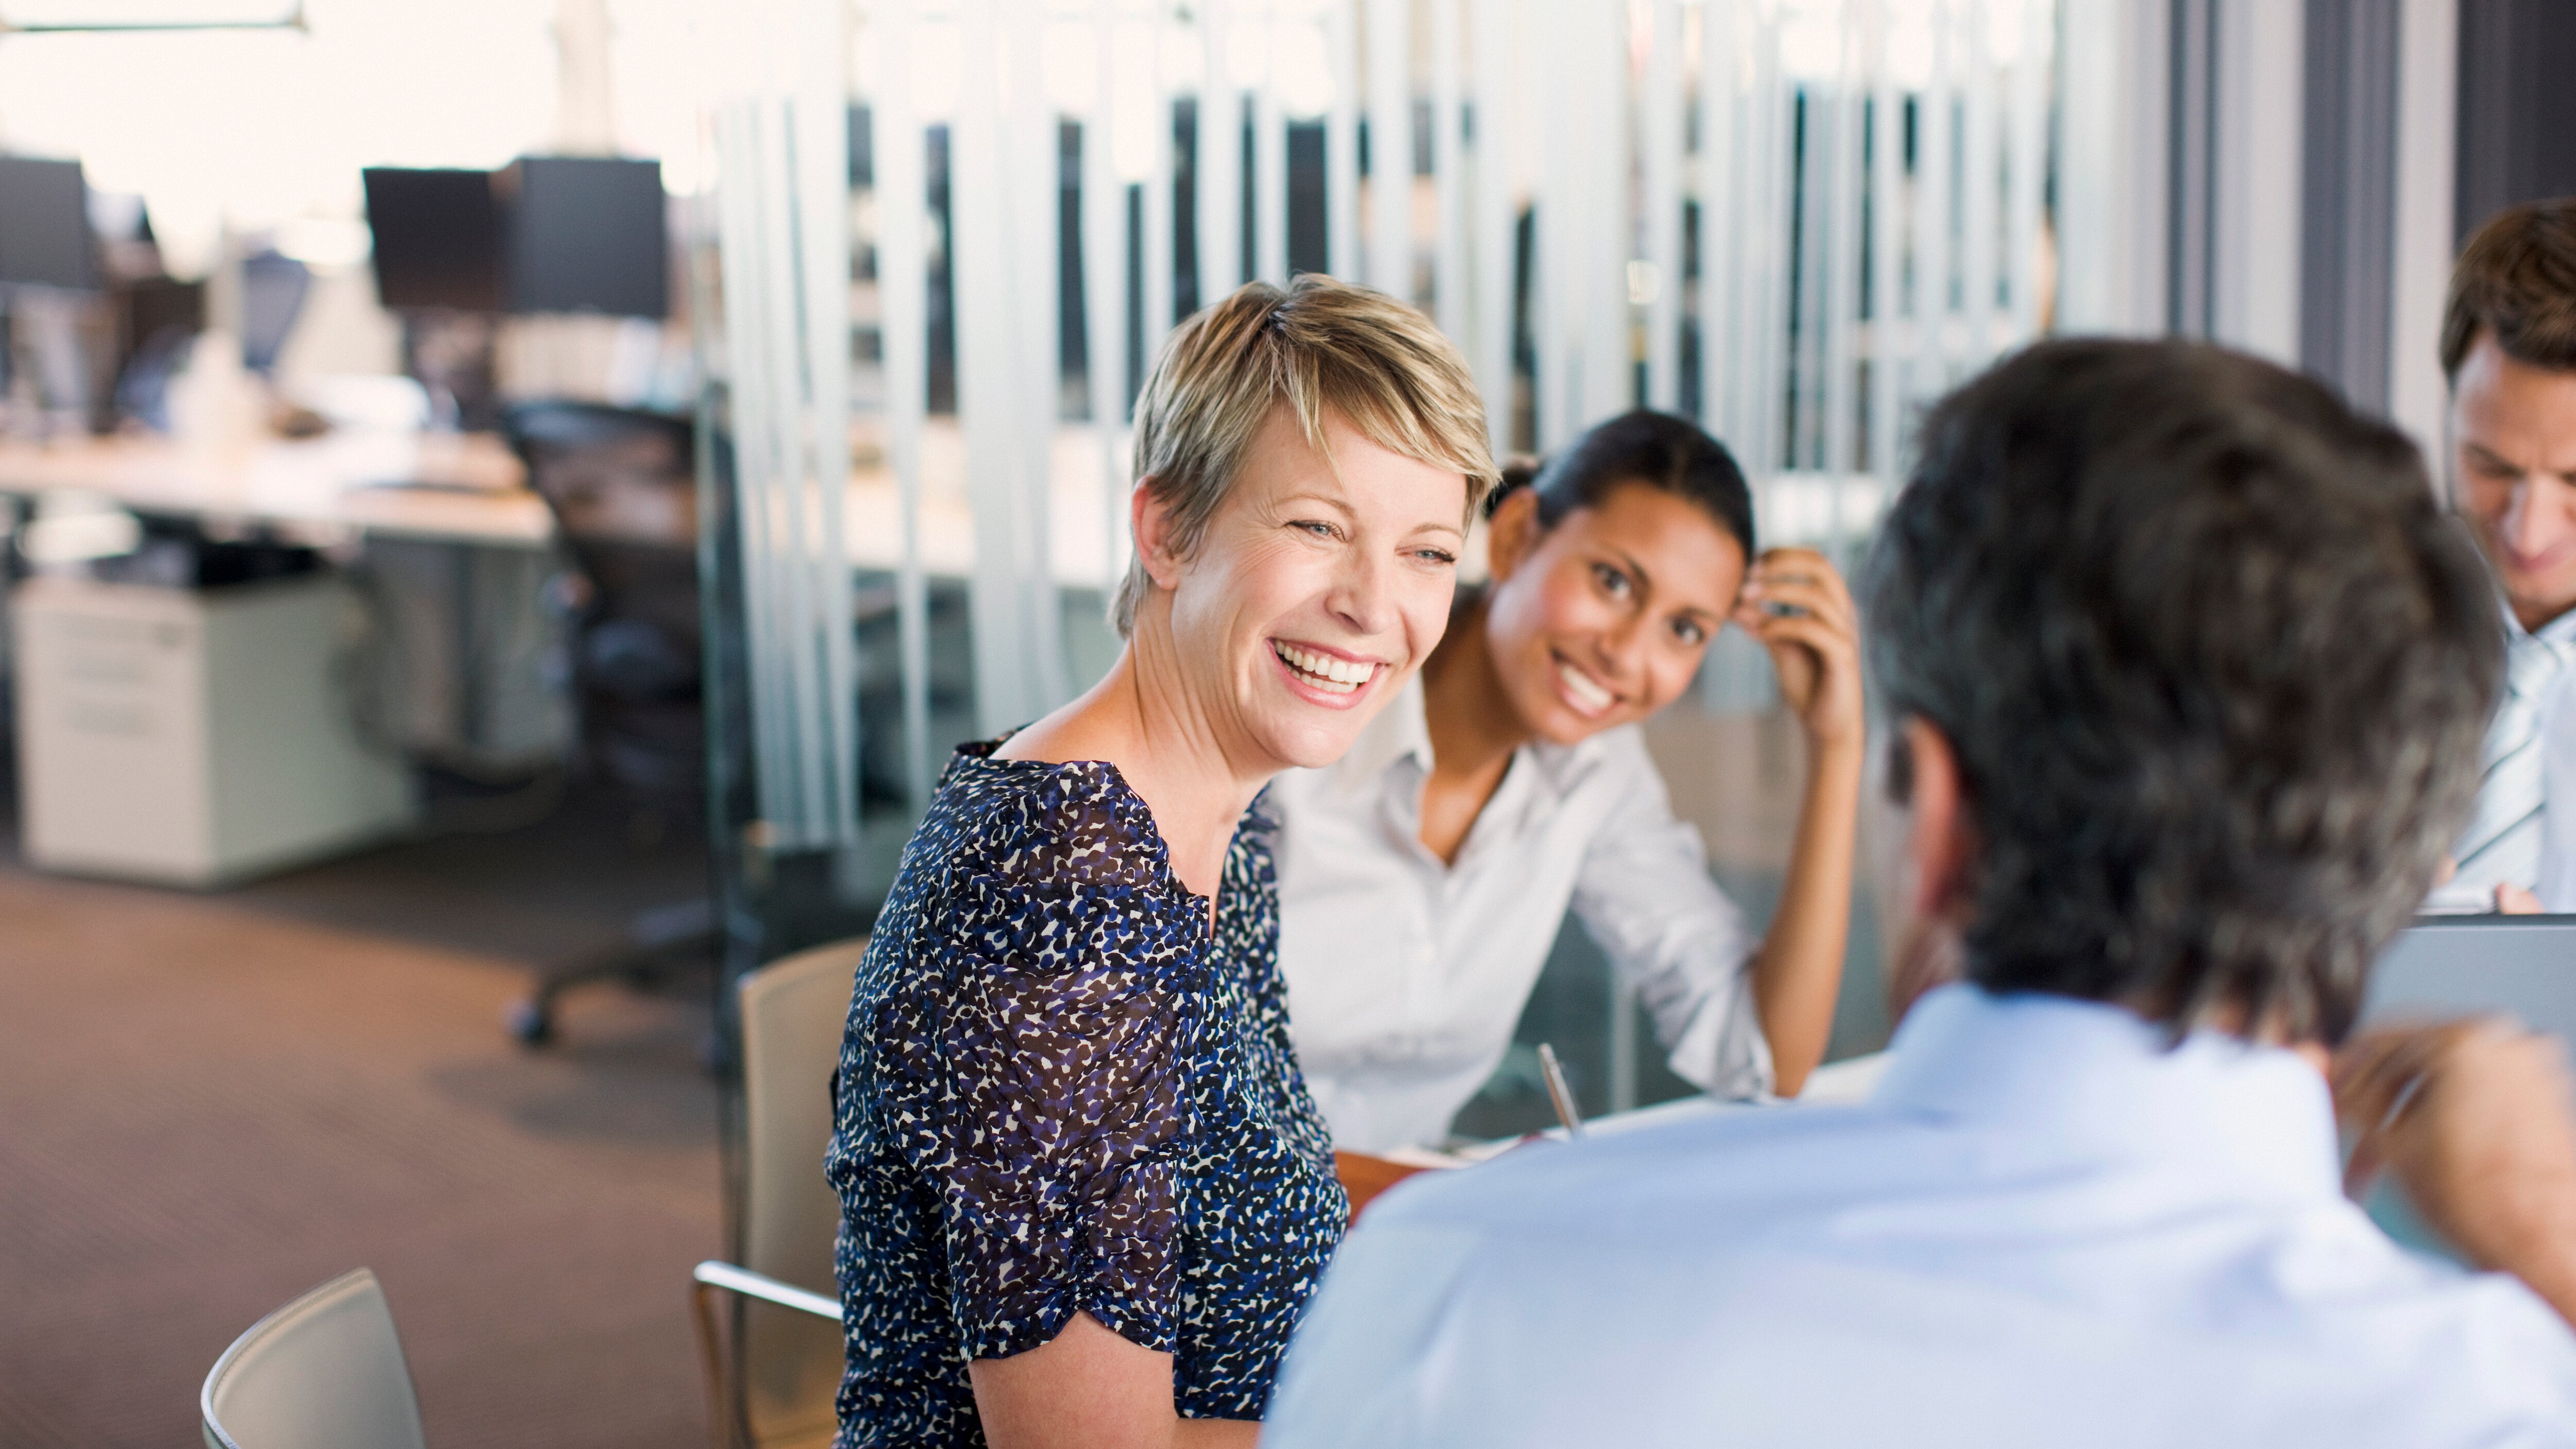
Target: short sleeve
[(1060, 1103)]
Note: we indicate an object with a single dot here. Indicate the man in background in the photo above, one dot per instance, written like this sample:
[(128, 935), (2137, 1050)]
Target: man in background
[(2186, 668), (2509, 349)]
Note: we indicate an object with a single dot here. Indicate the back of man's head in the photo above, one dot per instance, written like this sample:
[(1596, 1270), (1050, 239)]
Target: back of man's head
[(2214, 666)]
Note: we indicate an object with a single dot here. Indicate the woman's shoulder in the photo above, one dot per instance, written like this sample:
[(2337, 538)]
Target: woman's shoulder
[(1074, 819), (1037, 828)]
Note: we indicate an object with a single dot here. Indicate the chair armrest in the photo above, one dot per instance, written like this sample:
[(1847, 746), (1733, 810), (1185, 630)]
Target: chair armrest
[(725, 1421), (715, 1274)]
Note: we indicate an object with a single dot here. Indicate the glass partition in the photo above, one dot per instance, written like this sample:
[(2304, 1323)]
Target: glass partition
[(946, 237)]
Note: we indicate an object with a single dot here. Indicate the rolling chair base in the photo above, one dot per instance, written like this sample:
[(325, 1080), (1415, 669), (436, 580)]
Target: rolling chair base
[(655, 939)]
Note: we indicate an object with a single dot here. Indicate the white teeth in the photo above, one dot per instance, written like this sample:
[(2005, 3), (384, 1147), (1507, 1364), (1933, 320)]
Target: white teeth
[(1324, 671), (1588, 696)]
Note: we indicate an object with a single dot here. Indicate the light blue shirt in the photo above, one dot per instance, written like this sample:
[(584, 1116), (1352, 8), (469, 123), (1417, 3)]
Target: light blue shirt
[(2043, 1229)]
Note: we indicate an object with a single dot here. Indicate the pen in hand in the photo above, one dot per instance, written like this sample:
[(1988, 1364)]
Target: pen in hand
[(1557, 1092)]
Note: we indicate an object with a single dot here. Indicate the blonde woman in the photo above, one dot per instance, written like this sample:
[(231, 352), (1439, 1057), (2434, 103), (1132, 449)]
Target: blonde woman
[(1085, 1193)]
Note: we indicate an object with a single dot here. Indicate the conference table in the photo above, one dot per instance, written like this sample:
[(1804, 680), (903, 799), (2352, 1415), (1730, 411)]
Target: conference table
[(1851, 1080)]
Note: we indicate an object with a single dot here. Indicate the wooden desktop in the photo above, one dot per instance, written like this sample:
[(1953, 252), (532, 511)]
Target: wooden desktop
[(448, 487)]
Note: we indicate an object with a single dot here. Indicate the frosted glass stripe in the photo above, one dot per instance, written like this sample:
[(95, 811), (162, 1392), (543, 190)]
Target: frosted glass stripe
[(902, 191), (1660, 122), (1981, 191), (1933, 213), (1604, 212), (1886, 241), (1104, 274), (1341, 147), (1496, 212), (1448, 187), (822, 210), (2029, 161), (752, 394), (1219, 194), (1390, 161), (1160, 265), (1553, 266), (1270, 163)]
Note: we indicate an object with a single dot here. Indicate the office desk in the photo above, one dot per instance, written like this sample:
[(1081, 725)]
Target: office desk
[(461, 545), (468, 488), (435, 487)]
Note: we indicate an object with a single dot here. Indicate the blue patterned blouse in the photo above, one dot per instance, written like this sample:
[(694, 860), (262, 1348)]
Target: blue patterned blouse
[(1059, 1093)]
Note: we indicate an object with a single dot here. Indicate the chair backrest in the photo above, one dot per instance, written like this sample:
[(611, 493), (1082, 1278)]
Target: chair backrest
[(610, 474), (622, 486), (324, 1372), (793, 1011)]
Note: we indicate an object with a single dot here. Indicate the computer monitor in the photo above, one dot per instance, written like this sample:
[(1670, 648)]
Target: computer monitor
[(437, 239), (2449, 966), (45, 238), (586, 234)]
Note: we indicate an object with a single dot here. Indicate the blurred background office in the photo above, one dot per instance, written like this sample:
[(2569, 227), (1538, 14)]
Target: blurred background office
[(510, 503)]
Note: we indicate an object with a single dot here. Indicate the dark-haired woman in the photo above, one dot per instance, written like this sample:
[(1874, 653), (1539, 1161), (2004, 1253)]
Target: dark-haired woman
[(1422, 878)]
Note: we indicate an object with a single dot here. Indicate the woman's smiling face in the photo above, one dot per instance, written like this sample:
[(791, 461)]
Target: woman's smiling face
[(1602, 620), (1316, 589)]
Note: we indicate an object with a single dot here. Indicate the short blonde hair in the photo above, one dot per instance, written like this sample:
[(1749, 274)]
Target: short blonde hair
[(1320, 346)]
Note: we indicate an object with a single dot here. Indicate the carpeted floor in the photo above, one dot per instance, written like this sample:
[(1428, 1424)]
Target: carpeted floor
[(211, 1103)]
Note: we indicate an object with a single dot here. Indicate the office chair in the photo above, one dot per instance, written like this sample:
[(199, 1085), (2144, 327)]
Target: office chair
[(324, 1372), (273, 289), (771, 1384), (157, 321), (622, 486)]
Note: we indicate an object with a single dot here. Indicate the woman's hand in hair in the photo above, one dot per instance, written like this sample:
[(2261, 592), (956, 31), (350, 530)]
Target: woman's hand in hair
[(1797, 606)]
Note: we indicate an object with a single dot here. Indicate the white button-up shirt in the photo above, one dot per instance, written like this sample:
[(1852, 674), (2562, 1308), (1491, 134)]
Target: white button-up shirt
[(2556, 877), (1406, 976), (2529, 765), (2044, 1228)]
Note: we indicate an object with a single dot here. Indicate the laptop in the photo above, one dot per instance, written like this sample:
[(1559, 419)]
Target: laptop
[(2523, 966), (2449, 966)]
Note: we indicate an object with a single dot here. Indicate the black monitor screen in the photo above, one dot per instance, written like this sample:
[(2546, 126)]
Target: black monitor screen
[(587, 234), (438, 238), (44, 224)]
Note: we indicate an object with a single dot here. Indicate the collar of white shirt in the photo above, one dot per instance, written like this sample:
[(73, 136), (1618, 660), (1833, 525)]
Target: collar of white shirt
[(2560, 631), (1402, 731), (2100, 1081)]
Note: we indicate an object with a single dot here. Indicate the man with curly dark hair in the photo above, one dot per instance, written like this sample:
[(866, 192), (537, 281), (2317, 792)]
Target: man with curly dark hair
[(2185, 667)]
